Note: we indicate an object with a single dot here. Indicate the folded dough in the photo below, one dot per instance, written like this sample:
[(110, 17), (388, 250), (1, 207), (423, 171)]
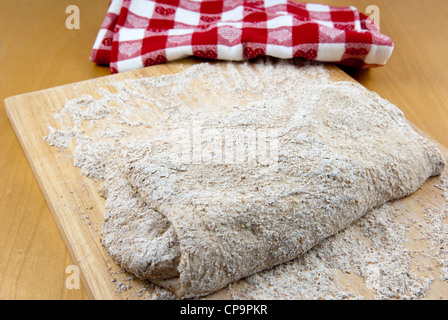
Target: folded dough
[(138, 237), (194, 227)]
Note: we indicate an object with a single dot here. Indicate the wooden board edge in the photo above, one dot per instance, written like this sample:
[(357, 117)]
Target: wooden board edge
[(47, 198)]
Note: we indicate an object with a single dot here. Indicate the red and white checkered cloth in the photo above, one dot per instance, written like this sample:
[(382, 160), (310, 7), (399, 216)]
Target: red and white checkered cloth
[(140, 33)]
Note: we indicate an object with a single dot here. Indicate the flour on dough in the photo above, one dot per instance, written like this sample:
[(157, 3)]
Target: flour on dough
[(279, 158)]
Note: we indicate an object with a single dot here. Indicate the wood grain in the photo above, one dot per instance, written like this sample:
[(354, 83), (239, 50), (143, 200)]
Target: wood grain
[(38, 52)]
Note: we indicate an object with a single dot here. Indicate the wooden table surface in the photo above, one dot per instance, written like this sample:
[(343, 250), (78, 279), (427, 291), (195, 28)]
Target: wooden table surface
[(37, 51)]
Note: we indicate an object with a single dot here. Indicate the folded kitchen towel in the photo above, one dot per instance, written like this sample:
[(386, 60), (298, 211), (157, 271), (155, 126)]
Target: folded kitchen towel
[(140, 33)]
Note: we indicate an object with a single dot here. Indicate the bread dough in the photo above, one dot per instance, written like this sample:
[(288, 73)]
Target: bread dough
[(337, 151)]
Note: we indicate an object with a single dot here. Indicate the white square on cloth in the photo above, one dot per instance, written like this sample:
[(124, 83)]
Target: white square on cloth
[(142, 8), (187, 17)]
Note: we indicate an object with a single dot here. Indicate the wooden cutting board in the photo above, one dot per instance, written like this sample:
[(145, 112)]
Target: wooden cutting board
[(78, 208)]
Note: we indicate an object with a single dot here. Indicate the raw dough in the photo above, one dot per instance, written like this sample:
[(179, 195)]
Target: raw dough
[(337, 151)]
